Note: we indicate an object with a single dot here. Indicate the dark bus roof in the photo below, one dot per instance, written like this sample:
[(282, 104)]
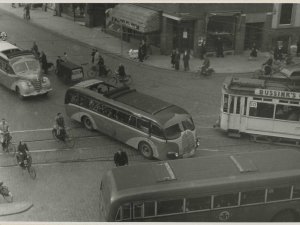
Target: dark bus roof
[(130, 99), (207, 173)]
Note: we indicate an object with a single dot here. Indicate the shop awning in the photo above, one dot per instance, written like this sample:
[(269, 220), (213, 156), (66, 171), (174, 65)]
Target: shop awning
[(137, 18)]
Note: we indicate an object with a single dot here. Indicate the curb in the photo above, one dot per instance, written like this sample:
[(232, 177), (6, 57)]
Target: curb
[(7, 209), (111, 54)]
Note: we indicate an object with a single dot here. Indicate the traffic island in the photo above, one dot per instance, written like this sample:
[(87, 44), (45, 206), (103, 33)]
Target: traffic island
[(14, 208)]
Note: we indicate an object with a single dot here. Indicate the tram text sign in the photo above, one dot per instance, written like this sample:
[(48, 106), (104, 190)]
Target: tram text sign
[(278, 94)]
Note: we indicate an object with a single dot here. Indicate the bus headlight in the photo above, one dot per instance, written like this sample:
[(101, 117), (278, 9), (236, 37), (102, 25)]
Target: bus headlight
[(197, 142), (172, 155)]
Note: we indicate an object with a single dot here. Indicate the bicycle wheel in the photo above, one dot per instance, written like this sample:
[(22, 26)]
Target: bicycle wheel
[(9, 197), (31, 172), (69, 140), (11, 149)]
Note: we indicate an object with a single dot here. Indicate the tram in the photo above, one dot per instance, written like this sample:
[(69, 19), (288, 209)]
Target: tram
[(262, 108)]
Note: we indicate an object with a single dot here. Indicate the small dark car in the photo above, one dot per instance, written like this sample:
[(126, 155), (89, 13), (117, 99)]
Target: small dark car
[(69, 72)]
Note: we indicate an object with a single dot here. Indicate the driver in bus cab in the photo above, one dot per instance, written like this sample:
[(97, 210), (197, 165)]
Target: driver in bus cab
[(60, 125), (121, 71)]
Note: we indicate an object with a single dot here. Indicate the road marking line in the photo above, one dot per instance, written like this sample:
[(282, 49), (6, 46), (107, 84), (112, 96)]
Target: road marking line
[(209, 150), (23, 131), (53, 150)]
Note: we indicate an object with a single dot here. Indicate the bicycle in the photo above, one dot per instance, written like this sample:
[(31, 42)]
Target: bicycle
[(116, 78), (64, 136), (27, 164), (9, 147)]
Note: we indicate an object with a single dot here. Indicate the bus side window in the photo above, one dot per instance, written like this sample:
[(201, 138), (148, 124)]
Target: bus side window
[(225, 103), (83, 101), (201, 203), (169, 206), (156, 131), (250, 197), (123, 117), (226, 200), (137, 210), (132, 121), (149, 209), (296, 191), (143, 125), (279, 193)]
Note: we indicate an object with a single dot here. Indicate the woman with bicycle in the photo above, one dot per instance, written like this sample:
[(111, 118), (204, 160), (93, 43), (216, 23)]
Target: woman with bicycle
[(5, 135)]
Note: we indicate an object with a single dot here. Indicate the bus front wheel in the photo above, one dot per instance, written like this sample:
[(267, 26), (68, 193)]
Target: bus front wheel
[(87, 123), (146, 150), (285, 216)]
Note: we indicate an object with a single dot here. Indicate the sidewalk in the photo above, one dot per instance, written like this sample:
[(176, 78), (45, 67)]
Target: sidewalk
[(14, 208), (110, 44)]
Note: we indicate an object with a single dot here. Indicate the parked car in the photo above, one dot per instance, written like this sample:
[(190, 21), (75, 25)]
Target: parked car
[(20, 71), (69, 72)]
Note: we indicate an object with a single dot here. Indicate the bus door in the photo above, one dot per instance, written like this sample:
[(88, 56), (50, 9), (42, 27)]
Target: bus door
[(234, 116), (286, 120)]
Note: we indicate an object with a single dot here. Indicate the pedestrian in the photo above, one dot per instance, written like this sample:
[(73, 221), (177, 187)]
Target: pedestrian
[(102, 68), (96, 57), (278, 53), (35, 50), (93, 55), (268, 65), (140, 53), (120, 158), (173, 54), (177, 59), (219, 47), (44, 62), (186, 59), (27, 11), (253, 53), (144, 49), (65, 57), (202, 48)]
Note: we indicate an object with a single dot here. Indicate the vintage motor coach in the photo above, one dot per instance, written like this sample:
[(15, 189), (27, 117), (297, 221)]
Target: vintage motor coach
[(20, 71)]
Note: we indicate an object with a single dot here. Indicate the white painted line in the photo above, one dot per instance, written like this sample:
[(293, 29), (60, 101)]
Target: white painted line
[(52, 150), (23, 131), (209, 150)]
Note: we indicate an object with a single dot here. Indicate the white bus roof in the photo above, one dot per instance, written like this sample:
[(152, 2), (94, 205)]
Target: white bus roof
[(4, 45)]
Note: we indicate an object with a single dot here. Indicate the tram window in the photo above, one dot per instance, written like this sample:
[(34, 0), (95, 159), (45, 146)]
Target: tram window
[(267, 99), (245, 105), (238, 104), (231, 107), (292, 102), (286, 112), (296, 191), (169, 206), (225, 104), (149, 209), (279, 193), (263, 110), (201, 203), (251, 197), (226, 200)]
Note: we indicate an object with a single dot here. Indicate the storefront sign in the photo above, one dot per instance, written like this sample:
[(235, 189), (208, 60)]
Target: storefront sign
[(278, 94), (126, 23)]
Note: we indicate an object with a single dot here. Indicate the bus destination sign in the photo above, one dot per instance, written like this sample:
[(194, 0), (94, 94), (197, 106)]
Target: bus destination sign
[(276, 93)]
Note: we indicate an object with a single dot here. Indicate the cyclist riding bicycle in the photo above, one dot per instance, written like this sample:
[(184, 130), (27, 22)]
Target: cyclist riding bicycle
[(5, 135), (22, 153), (121, 72), (60, 126)]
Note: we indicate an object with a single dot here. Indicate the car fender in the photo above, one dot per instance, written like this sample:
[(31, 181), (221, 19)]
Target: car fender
[(21, 84)]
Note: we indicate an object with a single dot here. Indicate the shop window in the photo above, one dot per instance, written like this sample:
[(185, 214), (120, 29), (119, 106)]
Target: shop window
[(286, 14), (296, 191), (149, 209), (225, 103), (226, 200), (251, 197), (286, 112), (280, 193), (201, 203), (260, 109), (169, 207)]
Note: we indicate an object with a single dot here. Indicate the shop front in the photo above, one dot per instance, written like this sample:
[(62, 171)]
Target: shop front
[(134, 23), (75, 11), (221, 25)]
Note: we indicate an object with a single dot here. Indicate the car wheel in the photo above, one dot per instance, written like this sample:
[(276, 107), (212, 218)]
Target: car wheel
[(87, 123), (19, 94)]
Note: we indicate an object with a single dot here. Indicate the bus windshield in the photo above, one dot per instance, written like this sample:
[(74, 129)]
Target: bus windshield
[(174, 131)]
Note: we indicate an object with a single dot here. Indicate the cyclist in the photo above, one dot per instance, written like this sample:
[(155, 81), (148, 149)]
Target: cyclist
[(121, 72), (60, 126), (5, 136), (22, 153)]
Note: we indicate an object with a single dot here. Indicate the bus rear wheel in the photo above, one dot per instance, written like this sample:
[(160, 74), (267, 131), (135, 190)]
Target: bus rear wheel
[(87, 123), (285, 216), (146, 150)]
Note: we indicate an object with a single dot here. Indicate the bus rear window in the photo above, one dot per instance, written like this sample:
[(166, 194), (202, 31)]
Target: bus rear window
[(169, 207), (280, 193), (173, 132), (226, 200), (251, 197)]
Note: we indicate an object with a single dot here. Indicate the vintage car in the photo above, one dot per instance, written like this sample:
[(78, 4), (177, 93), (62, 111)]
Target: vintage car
[(20, 71), (69, 72)]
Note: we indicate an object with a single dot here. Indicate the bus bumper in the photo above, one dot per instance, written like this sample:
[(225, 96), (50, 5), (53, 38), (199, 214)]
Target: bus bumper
[(175, 155)]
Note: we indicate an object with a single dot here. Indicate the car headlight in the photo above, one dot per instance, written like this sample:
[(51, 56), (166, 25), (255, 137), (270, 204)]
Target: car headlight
[(197, 142), (44, 79), (28, 83)]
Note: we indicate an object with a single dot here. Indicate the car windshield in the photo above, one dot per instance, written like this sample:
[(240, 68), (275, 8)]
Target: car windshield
[(173, 132), (25, 66)]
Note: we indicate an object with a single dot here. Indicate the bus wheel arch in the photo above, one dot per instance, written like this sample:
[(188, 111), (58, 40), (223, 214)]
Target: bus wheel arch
[(87, 122), (287, 215), (146, 149)]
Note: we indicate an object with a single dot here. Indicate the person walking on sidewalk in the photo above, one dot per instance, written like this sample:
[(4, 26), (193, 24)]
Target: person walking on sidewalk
[(173, 54), (144, 49), (44, 62), (202, 48), (93, 55), (120, 158), (186, 59), (177, 59), (219, 47), (253, 53), (140, 53), (27, 11)]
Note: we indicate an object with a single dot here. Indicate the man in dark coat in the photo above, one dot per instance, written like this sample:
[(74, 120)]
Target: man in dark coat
[(186, 59), (44, 62), (173, 54), (121, 158), (219, 47), (141, 53), (202, 49), (177, 60)]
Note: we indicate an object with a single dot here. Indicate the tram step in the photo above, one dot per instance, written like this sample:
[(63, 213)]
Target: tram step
[(234, 134), (275, 140)]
